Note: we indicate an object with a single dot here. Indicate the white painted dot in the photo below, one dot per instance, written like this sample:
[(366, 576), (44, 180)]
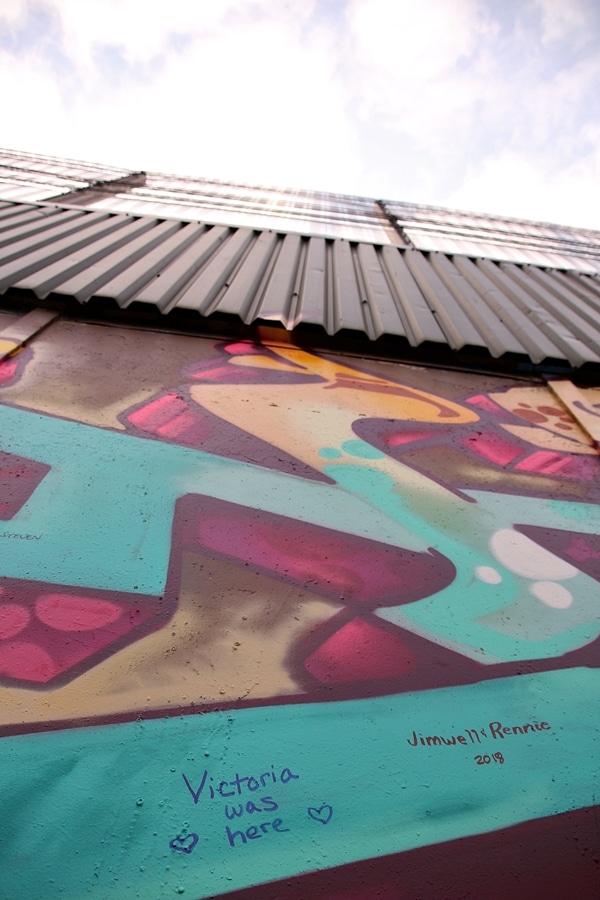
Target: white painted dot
[(524, 557), (487, 574), (552, 594)]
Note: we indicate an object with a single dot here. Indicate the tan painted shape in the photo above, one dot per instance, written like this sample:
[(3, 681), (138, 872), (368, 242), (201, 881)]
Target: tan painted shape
[(470, 473), (229, 640), (549, 425), (91, 373), (582, 403), (303, 418), (8, 347), (375, 396), (65, 403), (547, 440)]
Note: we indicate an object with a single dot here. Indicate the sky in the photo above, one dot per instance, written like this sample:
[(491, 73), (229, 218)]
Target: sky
[(483, 105)]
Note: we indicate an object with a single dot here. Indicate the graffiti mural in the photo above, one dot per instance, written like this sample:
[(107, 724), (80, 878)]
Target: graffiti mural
[(275, 623)]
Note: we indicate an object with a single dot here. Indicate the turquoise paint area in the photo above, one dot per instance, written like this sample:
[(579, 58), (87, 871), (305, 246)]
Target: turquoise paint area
[(459, 617), (93, 811), (330, 453), (567, 514), (362, 450), (105, 510)]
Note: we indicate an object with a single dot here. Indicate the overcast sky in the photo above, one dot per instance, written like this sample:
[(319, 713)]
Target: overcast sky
[(490, 105)]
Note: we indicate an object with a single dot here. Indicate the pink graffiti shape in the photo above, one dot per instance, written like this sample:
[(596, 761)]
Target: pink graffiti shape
[(26, 661), (68, 613), (13, 619)]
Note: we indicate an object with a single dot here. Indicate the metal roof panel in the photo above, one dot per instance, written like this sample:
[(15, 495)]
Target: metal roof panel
[(312, 294), (538, 316), (454, 323), (169, 283), (506, 312), (269, 276), (92, 273), (346, 307), (51, 277), (203, 290), (383, 302), (496, 335), (419, 322), (244, 287), (129, 283), (561, 312)]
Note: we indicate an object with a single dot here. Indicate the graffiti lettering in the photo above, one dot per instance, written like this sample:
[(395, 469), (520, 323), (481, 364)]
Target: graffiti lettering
[(486, 760), (438, 740), (497, 730), (239, 783), (253, 832), (315, 557), (268, 805)]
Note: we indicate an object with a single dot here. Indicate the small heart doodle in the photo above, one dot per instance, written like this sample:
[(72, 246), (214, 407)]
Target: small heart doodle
[(184, 844), (323, 814)]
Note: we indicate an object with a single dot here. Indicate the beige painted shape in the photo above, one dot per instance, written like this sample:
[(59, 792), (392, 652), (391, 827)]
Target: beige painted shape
[(303, 418), (64, 404), (582, 403), (550, 440), (229, 640), (545, 434), (7, 347)]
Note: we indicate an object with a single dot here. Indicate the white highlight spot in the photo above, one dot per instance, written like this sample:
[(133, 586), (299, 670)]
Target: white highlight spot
[(552, 594), (487, 574), (524, 557)]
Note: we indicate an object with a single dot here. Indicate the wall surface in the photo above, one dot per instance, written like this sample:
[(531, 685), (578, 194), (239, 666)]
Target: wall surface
[(275, 624)]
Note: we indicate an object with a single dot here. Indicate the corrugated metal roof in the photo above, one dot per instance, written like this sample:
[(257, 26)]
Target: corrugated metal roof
[(221, 203), (501, 239), (263, 275), (31, 176)]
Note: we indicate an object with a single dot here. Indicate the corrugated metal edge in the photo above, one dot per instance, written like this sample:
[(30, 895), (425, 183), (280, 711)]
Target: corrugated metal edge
[(271, 276)]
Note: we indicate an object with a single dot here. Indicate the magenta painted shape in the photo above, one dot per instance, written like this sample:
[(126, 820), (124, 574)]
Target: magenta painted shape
[(359, 651), (51, 633), (342, 567), (492, 447), (19, 478)]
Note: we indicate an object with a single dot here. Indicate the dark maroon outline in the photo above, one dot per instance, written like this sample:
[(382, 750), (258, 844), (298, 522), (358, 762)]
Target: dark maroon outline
[(549, 858), (439, 435)]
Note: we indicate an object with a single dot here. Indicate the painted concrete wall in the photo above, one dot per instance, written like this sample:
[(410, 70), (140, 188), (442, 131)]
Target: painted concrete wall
[(276, 624)]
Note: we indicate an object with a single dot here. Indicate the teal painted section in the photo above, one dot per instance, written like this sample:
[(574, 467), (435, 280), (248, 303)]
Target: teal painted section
[(463, 532), (105, 509), (93, 811)]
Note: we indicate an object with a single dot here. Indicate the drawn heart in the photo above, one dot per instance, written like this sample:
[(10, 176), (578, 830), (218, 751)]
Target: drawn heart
[(184, 844), (323, 814)]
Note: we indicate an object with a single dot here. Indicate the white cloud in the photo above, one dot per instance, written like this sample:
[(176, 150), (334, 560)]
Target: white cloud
[(406, 56), (563, 19), (439, 102), (245, 96), (512, 185)]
